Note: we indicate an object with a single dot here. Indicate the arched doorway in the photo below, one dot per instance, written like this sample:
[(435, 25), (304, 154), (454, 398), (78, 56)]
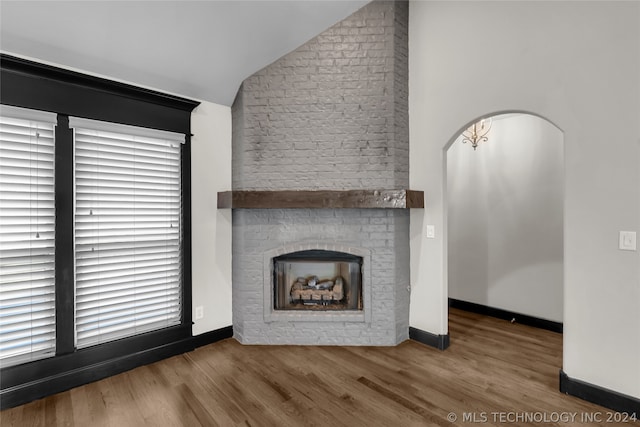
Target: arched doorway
[(504, 219)]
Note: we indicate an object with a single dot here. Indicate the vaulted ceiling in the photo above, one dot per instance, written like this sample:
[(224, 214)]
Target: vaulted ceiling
[(199, 49)]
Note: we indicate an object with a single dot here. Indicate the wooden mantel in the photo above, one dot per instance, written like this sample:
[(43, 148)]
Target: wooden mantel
[(321, 199)]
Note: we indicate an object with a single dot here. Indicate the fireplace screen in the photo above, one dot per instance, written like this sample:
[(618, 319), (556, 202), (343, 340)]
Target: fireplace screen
[(317, 280)]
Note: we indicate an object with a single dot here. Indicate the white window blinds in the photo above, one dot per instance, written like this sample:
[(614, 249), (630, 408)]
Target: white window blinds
[(27, 227), (127, 230)]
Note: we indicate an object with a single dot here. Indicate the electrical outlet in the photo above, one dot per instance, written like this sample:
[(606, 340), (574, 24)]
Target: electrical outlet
[(627, 241), (199, 312)]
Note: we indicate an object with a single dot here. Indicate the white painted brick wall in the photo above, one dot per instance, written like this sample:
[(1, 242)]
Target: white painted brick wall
[(333, 114)]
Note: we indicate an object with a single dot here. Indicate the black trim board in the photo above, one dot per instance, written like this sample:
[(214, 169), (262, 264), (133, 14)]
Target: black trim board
[(601, 396), (187, 285), (14, 376), (64, 237), (37, 387), (499, 313), (441, 342), (29, 84), (45, 71), (47, 386), (212, 336)]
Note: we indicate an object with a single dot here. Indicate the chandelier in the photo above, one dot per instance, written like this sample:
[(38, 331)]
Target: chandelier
[(477, 133)]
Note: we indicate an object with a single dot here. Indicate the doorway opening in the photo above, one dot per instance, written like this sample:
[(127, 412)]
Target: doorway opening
[(504, 219)]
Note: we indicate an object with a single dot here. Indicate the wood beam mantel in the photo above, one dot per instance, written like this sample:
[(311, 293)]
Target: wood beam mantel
[(321, 199)]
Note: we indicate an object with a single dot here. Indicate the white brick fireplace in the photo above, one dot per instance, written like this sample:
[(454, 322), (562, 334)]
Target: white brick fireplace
[(331, 115), (379, 236)]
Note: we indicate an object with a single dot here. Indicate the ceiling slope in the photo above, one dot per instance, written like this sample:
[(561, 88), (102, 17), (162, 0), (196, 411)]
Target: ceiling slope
[(198, 49)]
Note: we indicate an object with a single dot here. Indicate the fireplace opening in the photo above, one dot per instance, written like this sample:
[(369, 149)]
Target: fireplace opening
[(317, 280)]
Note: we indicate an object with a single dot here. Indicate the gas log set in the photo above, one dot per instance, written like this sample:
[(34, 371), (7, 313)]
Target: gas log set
[(315, 291)]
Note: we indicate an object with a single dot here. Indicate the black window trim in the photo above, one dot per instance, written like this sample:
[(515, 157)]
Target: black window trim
[(29, 84)]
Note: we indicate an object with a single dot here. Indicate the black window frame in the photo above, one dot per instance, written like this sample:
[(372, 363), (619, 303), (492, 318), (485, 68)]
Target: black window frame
[(29, 84)]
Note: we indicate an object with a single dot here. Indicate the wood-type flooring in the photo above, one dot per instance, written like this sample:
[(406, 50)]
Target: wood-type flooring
[(494, 373)]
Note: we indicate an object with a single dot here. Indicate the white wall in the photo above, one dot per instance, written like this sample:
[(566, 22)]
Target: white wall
[(504, 225), (211, 227), (577, 64)]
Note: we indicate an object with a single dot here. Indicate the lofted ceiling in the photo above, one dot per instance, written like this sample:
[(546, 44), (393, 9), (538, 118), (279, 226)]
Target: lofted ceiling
[(198, 49)]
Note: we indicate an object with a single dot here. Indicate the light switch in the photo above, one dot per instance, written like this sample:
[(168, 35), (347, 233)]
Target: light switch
[(431, 231), (627, 240)]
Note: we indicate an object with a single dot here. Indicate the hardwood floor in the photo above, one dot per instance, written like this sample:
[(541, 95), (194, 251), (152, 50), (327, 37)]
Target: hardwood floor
[(494, 371)]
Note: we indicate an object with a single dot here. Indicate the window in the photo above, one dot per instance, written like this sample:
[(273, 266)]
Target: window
[(27, 228), (95, 302), (127, 230)]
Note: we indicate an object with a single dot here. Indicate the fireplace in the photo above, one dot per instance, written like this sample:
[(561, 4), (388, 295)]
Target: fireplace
[(319, 196), (293, 313), (317, 280)]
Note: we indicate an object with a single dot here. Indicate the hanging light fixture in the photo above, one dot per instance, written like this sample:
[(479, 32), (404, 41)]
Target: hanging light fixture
[(477, 132)]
